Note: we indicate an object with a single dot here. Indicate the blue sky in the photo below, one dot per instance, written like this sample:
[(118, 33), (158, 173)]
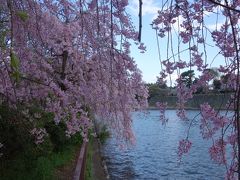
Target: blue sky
[(148, 62)]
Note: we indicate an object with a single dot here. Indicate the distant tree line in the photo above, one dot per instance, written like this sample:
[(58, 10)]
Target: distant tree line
[(188, 78)]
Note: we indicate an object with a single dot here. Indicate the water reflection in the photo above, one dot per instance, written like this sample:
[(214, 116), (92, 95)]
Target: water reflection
[(154, 156)]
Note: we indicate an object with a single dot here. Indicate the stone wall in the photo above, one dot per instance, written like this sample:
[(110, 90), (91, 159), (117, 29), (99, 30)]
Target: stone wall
[(215, 100)]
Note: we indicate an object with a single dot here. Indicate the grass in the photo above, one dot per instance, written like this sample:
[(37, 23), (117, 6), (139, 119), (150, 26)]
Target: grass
[(24, 160), (89, 160), (41, 168)]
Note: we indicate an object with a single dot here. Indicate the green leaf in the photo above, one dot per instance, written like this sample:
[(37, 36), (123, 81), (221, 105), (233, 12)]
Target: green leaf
[(23, 15), (14, 63), (16, 75)]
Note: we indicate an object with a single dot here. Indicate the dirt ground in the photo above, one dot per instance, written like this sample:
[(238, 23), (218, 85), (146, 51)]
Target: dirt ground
[(66, 172)]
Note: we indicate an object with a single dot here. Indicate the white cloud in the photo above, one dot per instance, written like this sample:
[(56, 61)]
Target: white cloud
[(149, 7), (179, 20), (214, 15), (215, 11), (215, 26)]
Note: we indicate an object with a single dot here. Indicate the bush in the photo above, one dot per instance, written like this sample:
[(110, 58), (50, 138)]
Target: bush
[(14, 132), (103, 134), (22, 157), (57, 133)]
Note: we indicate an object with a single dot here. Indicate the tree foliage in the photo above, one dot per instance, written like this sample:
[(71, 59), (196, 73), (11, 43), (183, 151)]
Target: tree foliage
[(217, 84), (187, 78), (156, 92), (66, 57)]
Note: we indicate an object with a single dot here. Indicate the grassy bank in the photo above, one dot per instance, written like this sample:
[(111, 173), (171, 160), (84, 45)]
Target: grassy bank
[(43, 167), (89, 161), (35, 149)]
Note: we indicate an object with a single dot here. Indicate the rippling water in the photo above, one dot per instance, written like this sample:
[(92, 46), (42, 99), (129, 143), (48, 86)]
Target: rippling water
[(154, 157)]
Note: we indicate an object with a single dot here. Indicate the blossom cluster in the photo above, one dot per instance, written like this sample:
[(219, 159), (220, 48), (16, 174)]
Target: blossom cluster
[(211, 121), (184, 147), (162, 107), (39, 135)]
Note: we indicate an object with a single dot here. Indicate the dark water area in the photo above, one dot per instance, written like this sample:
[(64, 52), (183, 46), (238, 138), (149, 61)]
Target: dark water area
[(154, 156)]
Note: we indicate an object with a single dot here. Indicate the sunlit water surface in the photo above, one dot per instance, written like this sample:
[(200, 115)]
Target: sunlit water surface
[(154, 156)]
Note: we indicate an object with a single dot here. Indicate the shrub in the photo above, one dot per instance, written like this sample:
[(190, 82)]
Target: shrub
[(14, 132), (103, 134), (57, 133)]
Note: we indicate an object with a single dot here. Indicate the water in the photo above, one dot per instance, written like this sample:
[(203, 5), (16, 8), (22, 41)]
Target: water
[(154, 156)]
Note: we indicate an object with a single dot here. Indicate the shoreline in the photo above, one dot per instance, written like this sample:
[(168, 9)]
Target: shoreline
[(100, 171), (216, 101), (186, 108)]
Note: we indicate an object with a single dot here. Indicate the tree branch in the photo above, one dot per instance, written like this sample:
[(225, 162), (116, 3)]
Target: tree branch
[(140, 20), (64, 63), (223, 5)]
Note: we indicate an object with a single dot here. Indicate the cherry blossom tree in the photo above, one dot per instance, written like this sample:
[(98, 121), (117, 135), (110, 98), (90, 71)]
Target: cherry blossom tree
[(67, 57), (190, 39)]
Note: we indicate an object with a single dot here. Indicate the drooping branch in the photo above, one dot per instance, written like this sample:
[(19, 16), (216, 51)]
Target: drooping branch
[(98, 25), (223, 5), (158, 46), (64, 63), (226, 39), (46, 46), (140, 20), (237, 92)]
